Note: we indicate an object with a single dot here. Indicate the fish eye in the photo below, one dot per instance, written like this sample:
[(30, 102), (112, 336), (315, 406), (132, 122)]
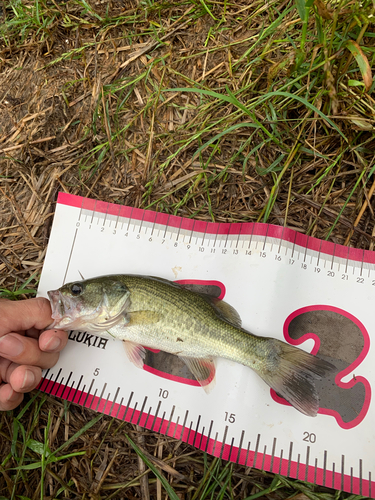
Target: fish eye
[(76, 289)]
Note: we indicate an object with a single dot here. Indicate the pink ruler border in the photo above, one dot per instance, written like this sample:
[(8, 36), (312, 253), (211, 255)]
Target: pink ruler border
[(240, 228), (259, 460)]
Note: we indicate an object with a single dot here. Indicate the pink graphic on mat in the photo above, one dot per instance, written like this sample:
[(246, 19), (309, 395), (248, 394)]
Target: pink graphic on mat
[(341, 339)]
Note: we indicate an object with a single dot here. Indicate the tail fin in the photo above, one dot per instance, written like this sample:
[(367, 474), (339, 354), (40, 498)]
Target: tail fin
[(293, 376)]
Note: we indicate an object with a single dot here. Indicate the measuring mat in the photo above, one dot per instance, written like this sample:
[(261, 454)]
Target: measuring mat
[(307, 292)]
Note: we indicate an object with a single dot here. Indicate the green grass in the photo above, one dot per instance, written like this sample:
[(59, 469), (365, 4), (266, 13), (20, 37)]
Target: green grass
[(19, 291), (295, 72)]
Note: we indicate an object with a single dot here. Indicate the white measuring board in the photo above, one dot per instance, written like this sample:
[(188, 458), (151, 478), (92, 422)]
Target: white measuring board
[(311, 293)]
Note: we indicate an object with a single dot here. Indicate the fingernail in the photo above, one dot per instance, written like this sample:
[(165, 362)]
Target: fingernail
[(52, 345), (12, 396), (10, 346), (28, 380)]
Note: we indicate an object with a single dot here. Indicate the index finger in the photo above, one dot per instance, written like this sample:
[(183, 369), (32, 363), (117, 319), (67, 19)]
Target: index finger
[(24, 314)]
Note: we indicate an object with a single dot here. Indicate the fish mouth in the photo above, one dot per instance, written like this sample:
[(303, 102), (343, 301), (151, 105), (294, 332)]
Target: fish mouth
[(69, 313), (56, 306), (62, 310)]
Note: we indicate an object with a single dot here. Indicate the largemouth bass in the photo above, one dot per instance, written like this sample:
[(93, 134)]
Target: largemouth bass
[(160, 314)]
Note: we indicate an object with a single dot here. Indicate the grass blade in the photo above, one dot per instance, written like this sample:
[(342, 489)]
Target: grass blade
[(362, 61), (168, 488), (246, 109)]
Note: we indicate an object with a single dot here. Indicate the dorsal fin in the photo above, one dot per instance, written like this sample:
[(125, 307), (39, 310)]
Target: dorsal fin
[(213, 291), (227, 312), (210, 294)]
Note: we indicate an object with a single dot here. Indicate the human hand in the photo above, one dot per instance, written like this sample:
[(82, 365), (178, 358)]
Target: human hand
[(24, 351)]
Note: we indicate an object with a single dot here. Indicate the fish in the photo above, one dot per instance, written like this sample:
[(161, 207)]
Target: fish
[(147, 311)]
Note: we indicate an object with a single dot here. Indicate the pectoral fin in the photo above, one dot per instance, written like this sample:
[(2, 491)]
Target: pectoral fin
[(203, 370), (135, 352)]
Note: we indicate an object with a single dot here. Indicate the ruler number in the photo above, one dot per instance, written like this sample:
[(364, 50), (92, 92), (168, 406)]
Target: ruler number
[(331, 274), (310, 437), (163, 393), (317, 270), (303, 266), (345, 277), (291, 261), (78, 224), (96, 372), (278, 257), (360, 280), (230, 417), (263, 254)]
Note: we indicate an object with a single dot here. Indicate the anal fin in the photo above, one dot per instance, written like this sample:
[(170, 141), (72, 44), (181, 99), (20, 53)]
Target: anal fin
[(203, 369)]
